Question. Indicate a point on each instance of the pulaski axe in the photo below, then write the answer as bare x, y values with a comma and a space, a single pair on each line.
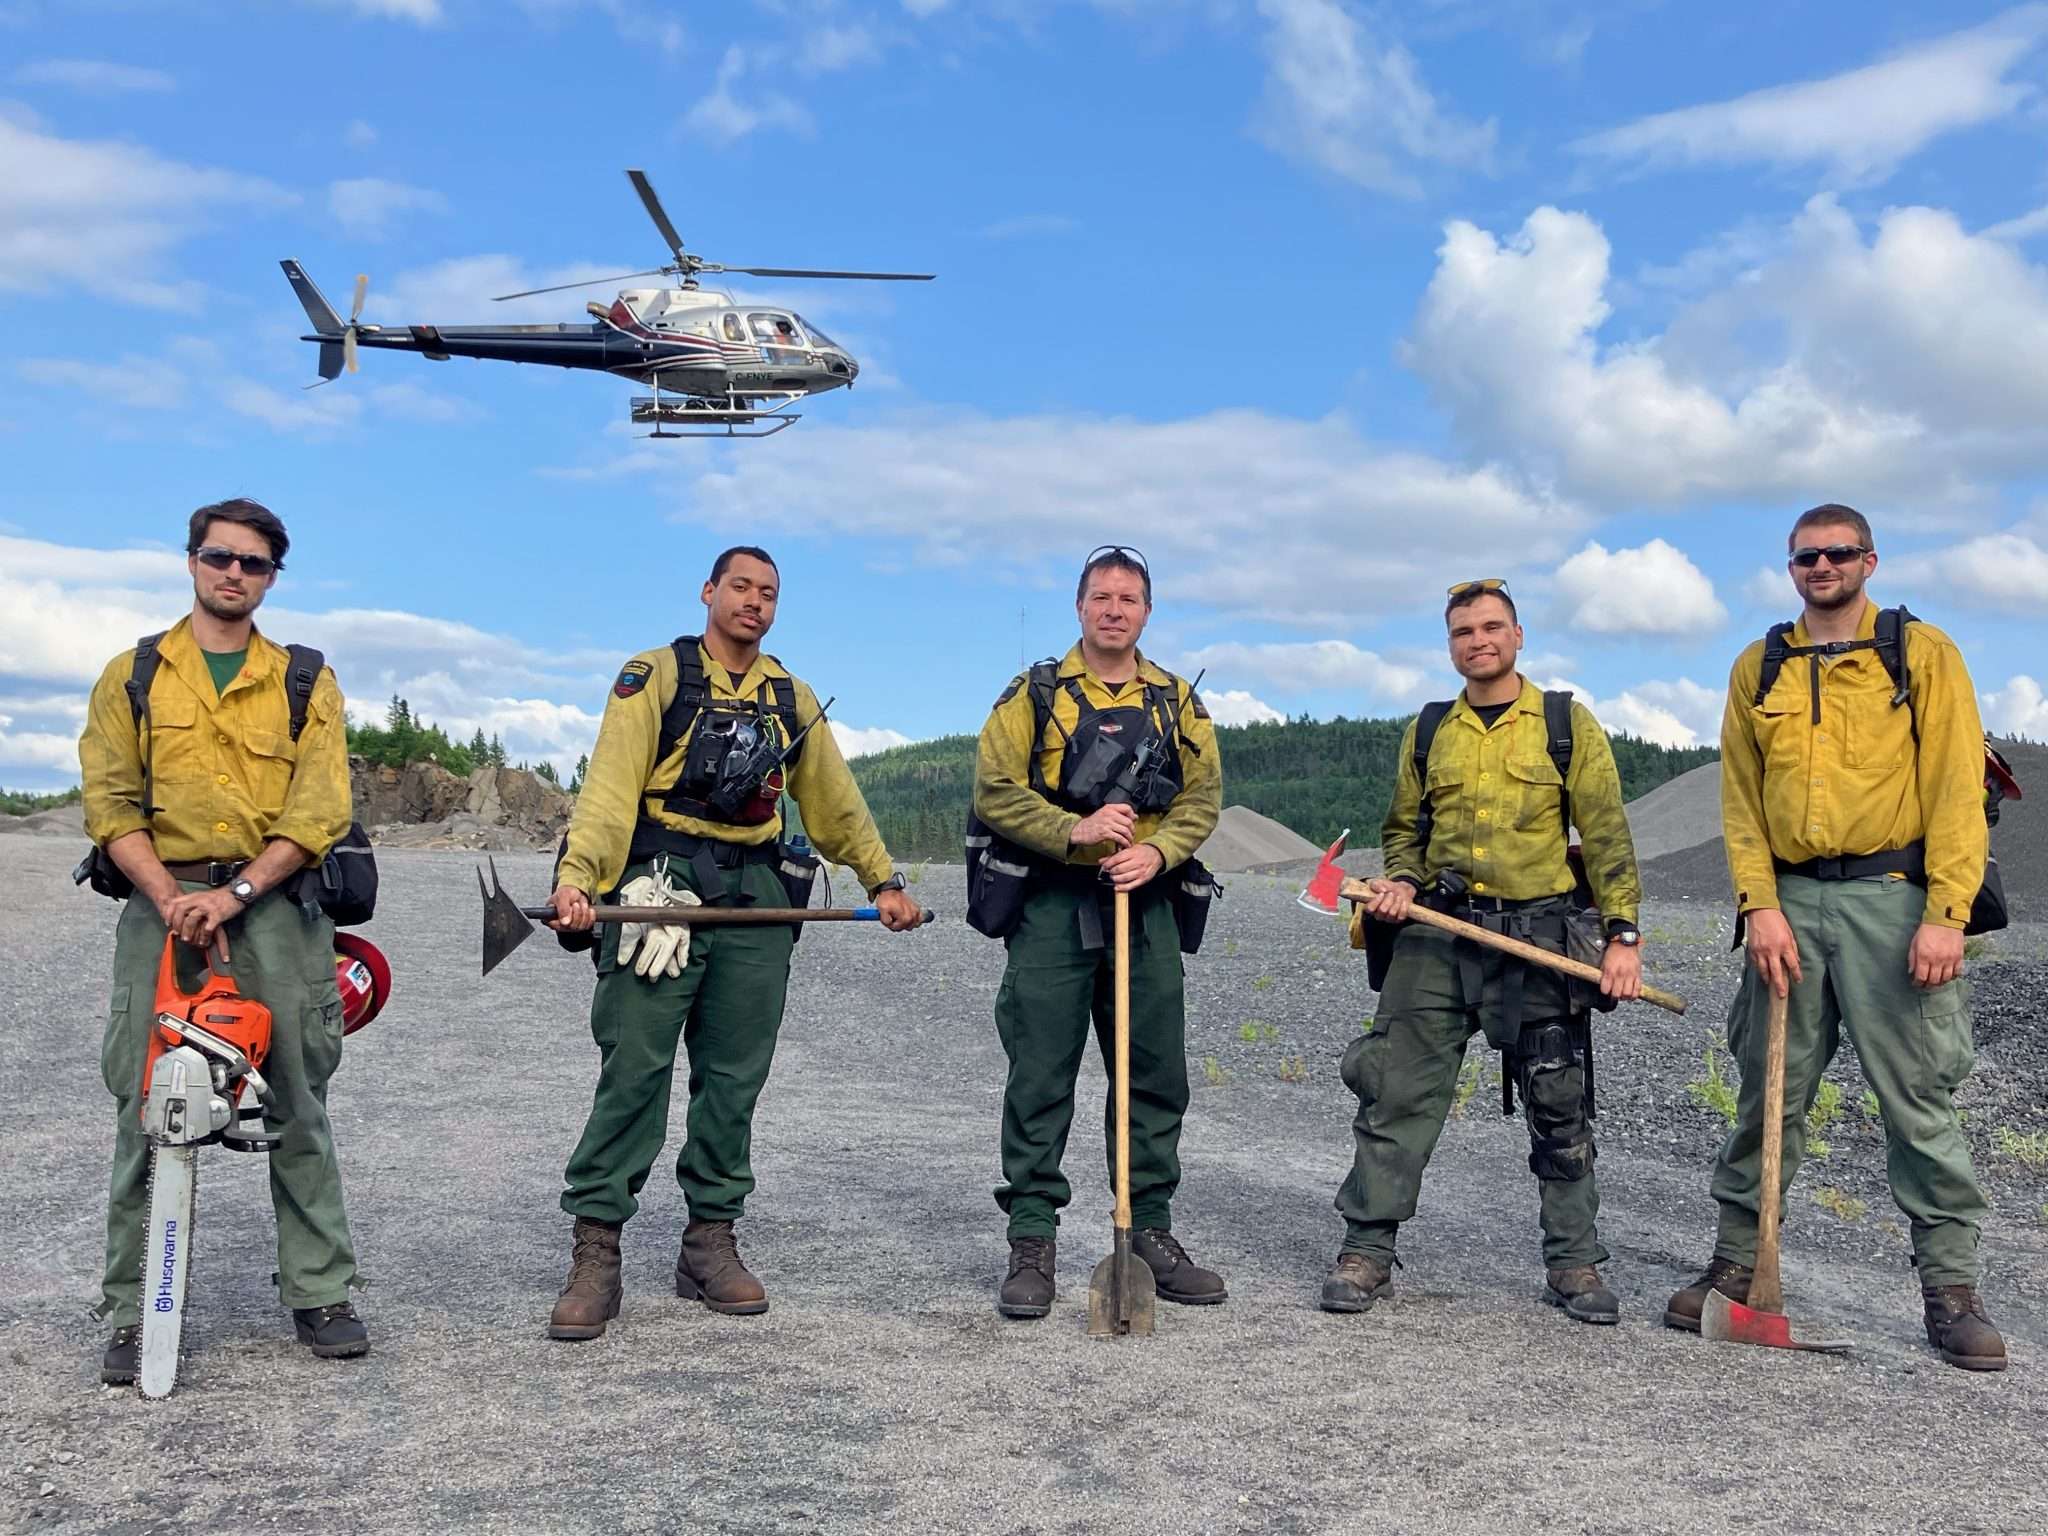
507, 925
1122, 1295
1762, 1319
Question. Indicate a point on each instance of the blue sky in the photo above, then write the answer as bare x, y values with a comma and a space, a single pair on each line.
1322, 304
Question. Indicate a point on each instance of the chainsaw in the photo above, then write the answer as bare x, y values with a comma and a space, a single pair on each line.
205, 1051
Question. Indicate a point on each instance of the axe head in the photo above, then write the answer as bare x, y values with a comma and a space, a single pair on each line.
505, 926
1730, 1322
1325, 883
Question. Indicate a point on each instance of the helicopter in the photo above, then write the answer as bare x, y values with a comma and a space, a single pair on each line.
718, 368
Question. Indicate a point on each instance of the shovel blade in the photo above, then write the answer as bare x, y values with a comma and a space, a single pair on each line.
1726, 1321
1122, 1297
505, 926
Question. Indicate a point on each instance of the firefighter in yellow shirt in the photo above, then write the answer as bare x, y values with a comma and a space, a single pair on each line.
681, 804
1852, 803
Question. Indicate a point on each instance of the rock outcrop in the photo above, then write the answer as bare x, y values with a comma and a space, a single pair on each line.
423, 805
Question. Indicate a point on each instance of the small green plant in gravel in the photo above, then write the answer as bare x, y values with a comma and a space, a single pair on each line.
1230, 946
1262, 984
2031, 1149
1213, 1073
1872, 1110
1248, 1031
1365, 1025
1293, 1069
916, 871
1714, 1091
1847, 1207
1466, 1086
1823, 1112
1973, 947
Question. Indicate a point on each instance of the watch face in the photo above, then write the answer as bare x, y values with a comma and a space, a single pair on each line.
242, 891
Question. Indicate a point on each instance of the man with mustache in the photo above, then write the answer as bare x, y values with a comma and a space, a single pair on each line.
1490, 805
681, 805
1852, 805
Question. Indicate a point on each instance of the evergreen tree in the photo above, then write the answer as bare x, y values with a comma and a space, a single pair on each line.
582, 767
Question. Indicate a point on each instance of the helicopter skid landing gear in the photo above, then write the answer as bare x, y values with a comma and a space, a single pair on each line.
709, 416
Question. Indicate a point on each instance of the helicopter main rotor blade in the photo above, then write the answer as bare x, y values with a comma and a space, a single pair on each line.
588, 282
355, 310
656, 212
875, 277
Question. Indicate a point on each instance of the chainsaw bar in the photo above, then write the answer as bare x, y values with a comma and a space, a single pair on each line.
166, 1264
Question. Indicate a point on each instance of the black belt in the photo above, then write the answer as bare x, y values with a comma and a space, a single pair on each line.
1506, 903
1910, 861
706, 856
211, 871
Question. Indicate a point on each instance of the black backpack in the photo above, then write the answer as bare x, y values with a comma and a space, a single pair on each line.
343, 884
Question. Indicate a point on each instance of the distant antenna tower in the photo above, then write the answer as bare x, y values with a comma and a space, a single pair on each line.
1023, 647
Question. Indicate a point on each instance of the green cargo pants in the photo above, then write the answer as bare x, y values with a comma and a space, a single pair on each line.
287, 964
726, 1009
1405, 1074
1914, 1047
1051, 988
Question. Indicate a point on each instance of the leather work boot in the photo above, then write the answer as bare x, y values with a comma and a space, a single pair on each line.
1959, 1328
123, 1358
590, 1297
1582, 1293
1724, 1275
1355, 1283
709, 1270
1178, 1277
1027, 1289
332, 1333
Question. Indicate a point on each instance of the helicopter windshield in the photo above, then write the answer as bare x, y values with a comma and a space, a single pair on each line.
818, 337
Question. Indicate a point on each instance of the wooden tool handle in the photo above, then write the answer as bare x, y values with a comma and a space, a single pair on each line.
713, 917
1671, 1002
1767, 1286
1122, 1065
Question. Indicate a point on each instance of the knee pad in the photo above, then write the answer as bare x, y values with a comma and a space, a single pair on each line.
1562, 1160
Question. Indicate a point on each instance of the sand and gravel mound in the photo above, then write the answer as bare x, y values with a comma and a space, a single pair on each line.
1244, 839
1681, 813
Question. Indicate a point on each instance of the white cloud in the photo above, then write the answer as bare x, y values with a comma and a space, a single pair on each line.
1651, 590
315, 411
1901, 369
108, 212
39, 751
1859, 124
925, 7
1236, 706
1339, 98
358, 134
368, 205
1308, 667
860, 740
1675, 713
724, 118
132, 382
425, 12
2002, 570
460, 291
1770, 587
2017, 709
832, 48
96, 77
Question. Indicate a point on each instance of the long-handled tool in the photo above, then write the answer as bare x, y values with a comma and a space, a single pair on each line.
507, 925
1122, 1295
1762, 1319
1358, 890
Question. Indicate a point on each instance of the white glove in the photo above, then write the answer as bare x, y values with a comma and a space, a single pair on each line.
664, 948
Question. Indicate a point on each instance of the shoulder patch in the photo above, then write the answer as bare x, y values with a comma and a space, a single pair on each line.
1201, 709
632, 678
1010, 692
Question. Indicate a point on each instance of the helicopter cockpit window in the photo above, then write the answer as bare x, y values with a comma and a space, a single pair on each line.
776, 330
734, 331
818, 337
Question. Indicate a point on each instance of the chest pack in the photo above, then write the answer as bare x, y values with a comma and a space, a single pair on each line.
1988, 912
344, 883
738, 750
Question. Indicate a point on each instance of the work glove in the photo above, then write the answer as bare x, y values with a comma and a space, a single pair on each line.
663, 948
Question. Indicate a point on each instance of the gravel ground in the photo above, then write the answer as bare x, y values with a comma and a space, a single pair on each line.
882, 1389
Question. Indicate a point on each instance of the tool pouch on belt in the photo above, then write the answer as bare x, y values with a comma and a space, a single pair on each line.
1585, 940
998, 875
1194, 888
344, 884
1988, 912
797, 868
98, 870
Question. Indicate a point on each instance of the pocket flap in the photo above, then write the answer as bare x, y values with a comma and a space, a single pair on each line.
1535, 770
270, 744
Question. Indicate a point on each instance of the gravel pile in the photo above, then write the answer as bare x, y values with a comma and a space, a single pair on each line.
1244, 839
881, 1390
1678, 813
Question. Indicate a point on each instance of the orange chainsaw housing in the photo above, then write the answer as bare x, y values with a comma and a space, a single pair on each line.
218, 1007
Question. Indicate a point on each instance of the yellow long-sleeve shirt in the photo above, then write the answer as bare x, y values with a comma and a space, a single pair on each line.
227, 775
1004, 798
624, 779
1496, 819
1855, 782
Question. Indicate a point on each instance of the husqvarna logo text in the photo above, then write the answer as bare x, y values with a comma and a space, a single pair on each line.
166, 1298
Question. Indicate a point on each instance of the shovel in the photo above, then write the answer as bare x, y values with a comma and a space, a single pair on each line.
1122, 1295
1762, 1320
507, 925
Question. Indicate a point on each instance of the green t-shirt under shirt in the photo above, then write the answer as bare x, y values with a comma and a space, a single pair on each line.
224, 665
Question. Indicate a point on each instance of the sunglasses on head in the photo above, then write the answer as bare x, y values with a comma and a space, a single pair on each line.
1838, 554
1136, 556
1483, 584
214, 558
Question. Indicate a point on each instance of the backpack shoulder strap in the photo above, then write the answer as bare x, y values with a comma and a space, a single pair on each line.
1891, 650
1557, 730
1039, 683
1777, 646
142, 673
688, 699
782, 696
301, 671
1426, 724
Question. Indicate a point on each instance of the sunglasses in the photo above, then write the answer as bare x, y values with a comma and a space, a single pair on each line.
1838, 554
214, 558
1125, 550
1484, 584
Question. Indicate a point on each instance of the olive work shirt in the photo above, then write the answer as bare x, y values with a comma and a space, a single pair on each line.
1497, 821
1856, 782
1004, 798
227, 776
624, 781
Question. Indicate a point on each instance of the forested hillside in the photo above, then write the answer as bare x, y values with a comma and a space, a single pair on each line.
1316, 776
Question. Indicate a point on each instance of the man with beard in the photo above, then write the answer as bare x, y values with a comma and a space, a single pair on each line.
1852, 805
682, 805
202, 794
1487, 800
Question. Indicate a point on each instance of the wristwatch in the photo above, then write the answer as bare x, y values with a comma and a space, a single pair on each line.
242, 891
895, 882
1624, 933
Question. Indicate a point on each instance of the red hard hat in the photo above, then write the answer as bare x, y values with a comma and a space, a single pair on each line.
364, 978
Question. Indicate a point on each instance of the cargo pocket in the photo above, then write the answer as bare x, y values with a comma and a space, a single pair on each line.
1944, 1034
1364, 1065
321, 1046
120, 1067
